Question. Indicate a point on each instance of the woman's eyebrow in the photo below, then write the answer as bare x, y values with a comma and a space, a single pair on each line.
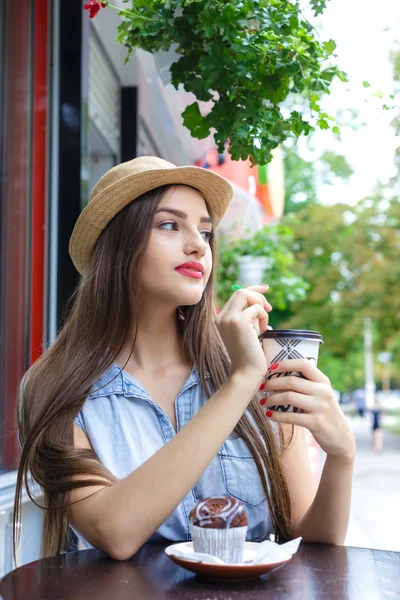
180, 214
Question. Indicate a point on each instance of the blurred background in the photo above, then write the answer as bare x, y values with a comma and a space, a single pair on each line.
319, 223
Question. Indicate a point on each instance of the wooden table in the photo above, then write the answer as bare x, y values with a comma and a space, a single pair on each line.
316, 571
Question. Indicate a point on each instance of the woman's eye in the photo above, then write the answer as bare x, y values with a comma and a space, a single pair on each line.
172, 226
208, 235
169, 226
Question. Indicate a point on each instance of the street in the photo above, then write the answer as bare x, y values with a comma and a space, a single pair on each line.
375, 514
375, 519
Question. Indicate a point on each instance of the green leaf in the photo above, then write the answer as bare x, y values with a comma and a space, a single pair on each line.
318, 6
323, 124
196, 86
366, 84
330, 46
342, 76
195, 122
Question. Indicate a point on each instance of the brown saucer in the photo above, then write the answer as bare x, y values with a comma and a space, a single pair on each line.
240, 572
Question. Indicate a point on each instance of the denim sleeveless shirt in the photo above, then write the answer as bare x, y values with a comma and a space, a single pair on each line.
126, 427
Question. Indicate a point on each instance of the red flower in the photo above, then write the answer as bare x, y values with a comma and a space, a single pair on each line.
93, 7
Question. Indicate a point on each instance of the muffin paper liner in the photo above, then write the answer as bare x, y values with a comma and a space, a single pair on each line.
227, 544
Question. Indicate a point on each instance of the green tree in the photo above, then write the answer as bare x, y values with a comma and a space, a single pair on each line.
395, 60
300, 189
303, 177
350, 259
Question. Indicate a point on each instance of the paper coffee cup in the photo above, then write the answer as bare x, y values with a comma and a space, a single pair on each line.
284, 344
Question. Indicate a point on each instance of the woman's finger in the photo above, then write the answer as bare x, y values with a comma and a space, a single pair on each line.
255, 297
257, 312
303, 366
246, 296
291, 418
291, 382
306, 403
267, 306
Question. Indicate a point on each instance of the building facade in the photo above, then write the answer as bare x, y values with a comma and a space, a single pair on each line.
69, 110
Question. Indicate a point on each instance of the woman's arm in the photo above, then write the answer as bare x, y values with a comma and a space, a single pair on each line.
119, 519
320, 515
327, 519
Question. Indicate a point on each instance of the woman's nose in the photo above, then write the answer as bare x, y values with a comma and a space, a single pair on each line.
195, 243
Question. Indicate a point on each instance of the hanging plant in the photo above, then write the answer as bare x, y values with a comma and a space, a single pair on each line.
250, 58
273, 243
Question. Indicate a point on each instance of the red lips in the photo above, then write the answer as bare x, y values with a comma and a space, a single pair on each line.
192, 265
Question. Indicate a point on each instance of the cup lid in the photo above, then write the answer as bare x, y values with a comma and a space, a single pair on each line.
292, 334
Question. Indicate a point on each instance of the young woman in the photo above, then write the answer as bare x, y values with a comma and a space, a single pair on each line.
147, 401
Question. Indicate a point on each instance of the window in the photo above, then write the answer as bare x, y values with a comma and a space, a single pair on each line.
15, 189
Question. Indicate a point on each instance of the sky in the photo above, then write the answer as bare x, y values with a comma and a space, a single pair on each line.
364, 32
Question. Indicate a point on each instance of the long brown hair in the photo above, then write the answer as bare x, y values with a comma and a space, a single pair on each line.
102, 313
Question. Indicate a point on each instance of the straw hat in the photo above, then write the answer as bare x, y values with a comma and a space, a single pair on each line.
124, 183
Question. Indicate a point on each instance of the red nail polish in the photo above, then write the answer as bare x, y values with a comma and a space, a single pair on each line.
269, 413
262, 386
263, 400
274, 366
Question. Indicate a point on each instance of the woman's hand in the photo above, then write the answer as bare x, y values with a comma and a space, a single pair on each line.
240, 327
314, 395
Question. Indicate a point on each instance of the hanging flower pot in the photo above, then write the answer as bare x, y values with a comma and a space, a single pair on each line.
164, 59
251, 269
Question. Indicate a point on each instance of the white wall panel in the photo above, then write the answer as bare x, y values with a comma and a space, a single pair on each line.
104, 95
31, 533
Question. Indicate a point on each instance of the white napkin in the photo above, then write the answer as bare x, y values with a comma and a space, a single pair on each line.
270, 552
267, 553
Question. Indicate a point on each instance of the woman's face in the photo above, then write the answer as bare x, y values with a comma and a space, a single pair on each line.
180, 235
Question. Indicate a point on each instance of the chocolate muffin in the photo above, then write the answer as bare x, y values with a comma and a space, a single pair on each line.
219, 526
219, 512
